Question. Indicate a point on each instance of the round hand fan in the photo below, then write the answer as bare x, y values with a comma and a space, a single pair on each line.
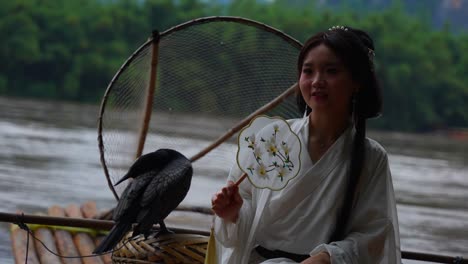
192, 88
269, 152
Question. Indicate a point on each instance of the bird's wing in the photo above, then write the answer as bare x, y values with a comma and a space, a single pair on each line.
141, 164
171, 183
163, 194
130, 196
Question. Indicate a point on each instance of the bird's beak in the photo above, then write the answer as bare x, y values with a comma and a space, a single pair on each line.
121, 180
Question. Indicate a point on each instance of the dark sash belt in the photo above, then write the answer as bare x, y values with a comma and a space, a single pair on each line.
270, 254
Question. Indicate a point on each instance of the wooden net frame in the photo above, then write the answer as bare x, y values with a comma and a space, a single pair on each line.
145, 117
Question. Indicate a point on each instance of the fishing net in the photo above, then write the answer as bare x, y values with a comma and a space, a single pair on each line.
205, 80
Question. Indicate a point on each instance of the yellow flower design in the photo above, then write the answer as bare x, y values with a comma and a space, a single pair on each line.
286, 149
271, 147
262, 172
271, 154
281, 172
258, 153
252, 141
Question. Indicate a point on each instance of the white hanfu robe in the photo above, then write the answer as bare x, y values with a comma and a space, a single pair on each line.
301, 217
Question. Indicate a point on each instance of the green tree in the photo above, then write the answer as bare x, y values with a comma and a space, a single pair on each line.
69, 50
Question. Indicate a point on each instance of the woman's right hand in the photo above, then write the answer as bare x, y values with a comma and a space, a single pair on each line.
227, 202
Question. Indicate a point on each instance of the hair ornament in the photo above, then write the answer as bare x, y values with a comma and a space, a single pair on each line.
371, 55
370, 52
338, 28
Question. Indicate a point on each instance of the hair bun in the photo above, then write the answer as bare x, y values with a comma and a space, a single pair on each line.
364, 37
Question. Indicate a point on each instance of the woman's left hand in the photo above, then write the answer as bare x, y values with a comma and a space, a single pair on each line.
320, 258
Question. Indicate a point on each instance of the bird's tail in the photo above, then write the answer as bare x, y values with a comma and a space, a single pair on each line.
115, 235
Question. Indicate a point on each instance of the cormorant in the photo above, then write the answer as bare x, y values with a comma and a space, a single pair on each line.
161, 180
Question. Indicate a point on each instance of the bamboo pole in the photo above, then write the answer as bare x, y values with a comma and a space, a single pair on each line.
56, 221
83, 241
149, 94
74, 222
241, 179
245, 121
89, 210
63, 238
19, 240
45, 236
432, 257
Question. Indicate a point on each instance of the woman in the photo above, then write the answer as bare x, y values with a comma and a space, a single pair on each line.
341, 207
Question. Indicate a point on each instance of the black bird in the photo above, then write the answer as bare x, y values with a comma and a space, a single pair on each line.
161, 180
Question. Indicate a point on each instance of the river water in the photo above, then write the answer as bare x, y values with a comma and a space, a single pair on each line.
49, 155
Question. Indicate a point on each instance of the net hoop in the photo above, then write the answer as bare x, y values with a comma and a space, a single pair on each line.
156, 39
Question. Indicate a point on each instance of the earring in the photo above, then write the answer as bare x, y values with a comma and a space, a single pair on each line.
353, 107
305, 111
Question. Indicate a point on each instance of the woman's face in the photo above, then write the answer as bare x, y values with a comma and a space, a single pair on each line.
326, 84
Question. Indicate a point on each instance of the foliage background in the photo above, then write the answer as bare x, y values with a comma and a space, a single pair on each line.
69, 50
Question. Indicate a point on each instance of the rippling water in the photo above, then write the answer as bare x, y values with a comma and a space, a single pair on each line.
49, 155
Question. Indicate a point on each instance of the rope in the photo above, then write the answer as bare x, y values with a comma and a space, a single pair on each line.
20, 223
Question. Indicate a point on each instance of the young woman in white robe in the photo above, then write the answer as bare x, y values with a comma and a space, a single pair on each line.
341, 207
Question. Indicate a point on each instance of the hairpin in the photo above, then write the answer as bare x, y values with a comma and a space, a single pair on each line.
338, 27
371, 55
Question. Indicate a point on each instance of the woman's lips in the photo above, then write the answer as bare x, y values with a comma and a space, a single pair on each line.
319, 96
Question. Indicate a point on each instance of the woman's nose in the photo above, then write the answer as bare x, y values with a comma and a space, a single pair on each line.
318, 81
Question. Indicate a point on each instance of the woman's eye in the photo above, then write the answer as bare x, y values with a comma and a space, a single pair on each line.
307, 71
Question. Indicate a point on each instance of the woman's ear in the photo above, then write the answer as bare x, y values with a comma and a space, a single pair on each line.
357, 88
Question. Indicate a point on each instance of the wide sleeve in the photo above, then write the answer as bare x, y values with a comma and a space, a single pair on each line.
373, 235
228, 233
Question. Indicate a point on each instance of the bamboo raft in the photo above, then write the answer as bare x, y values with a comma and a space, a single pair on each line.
82, 229
61, 241
75, 231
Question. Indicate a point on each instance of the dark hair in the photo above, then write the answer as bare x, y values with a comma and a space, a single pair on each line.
356, 49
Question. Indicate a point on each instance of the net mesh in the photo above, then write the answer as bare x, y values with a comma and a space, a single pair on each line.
209, 76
